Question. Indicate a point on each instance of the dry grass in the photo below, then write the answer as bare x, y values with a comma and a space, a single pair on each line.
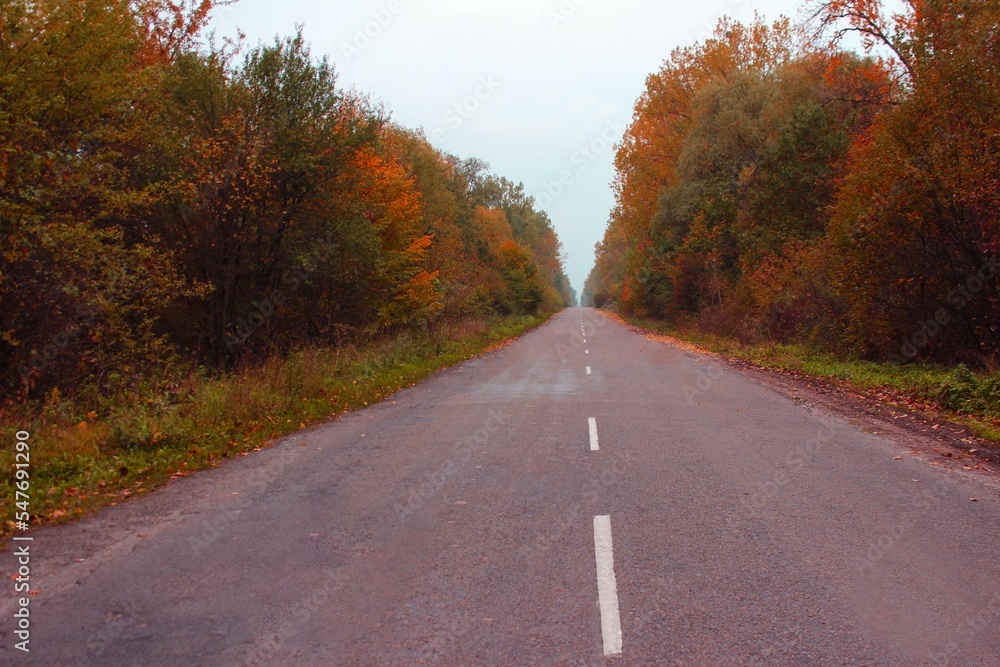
136, 442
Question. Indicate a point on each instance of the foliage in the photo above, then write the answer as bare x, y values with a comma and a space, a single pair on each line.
168, 204
137, 440
773, 187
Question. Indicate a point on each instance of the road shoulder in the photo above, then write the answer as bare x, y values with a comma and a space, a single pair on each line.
920, 433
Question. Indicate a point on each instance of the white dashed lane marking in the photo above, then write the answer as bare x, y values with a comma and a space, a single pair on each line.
607, 587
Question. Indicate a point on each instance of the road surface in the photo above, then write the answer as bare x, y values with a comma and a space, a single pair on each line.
584, 496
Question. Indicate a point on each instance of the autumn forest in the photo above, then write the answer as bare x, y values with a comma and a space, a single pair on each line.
775, 185
168, 201
209, 244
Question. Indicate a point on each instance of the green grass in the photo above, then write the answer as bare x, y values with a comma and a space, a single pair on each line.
962, 395
80, 462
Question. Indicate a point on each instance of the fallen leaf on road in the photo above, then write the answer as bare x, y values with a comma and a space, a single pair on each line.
897, 458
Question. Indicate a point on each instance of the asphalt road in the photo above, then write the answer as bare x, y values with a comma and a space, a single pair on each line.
557, 502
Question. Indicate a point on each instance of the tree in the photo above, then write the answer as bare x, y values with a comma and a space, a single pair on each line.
917, 218
80, 296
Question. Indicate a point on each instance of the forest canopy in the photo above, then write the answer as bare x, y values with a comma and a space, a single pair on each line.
167, 200
774, 186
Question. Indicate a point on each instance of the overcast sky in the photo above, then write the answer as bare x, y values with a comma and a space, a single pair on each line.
540, 89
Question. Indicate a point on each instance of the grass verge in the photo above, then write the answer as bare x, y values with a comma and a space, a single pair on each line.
79, 463
957, 393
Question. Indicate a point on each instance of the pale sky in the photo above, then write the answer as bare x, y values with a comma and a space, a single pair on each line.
537, 88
